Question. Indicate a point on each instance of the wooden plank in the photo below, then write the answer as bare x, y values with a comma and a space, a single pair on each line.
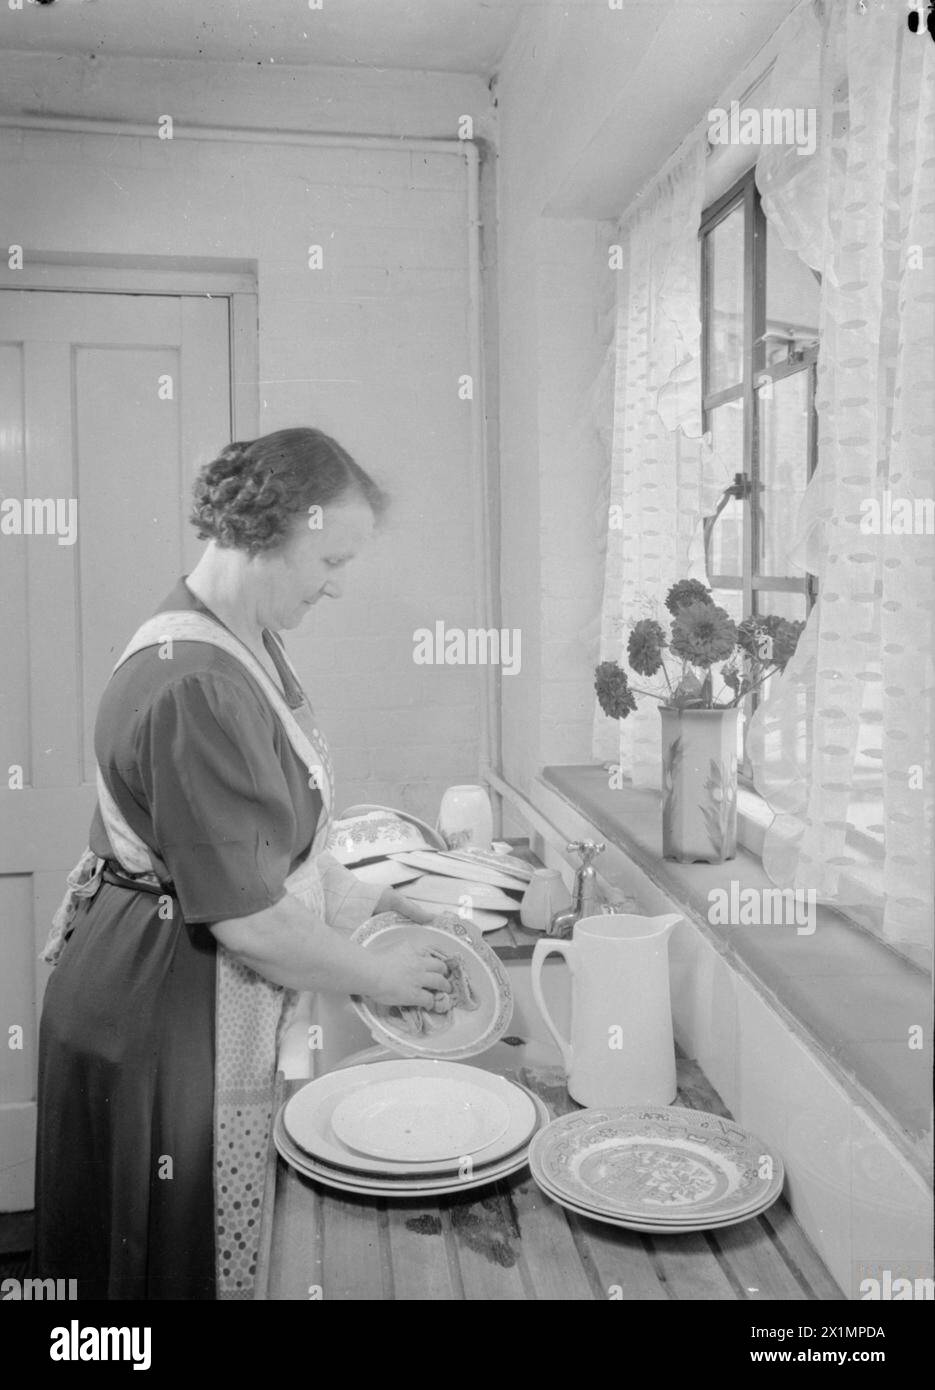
696, 1091
688, 1268
550, 1253
622, 1265
354, 1263
486, 1243
756, 1263
798, 1251
296, 1263
419, 1236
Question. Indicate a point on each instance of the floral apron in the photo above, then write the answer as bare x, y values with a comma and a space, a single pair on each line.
250, 1013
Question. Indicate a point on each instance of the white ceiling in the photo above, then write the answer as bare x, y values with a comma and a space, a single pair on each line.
467, 36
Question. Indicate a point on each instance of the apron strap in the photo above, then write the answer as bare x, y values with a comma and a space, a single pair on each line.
187, 626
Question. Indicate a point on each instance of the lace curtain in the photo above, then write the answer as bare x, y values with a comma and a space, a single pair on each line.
844, 743
654, 490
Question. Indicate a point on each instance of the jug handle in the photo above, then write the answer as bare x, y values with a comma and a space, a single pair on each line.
541, 951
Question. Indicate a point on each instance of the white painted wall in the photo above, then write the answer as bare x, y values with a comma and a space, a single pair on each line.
370, 348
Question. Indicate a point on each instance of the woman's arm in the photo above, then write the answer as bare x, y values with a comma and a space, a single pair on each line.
286, 944
391, 901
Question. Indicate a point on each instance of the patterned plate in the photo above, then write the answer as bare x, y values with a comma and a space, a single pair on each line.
658, 1228
470, 1031
659, 1166
429, 836
368, 836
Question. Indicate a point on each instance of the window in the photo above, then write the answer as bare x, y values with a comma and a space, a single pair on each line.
759, 353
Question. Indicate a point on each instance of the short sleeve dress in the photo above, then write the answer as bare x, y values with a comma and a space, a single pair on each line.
202, 771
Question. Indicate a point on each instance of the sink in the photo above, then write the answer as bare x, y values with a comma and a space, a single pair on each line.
326, 1029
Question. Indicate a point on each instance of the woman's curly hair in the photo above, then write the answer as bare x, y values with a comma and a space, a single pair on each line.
251, 496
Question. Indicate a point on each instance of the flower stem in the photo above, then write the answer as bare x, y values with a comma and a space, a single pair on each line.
742, 694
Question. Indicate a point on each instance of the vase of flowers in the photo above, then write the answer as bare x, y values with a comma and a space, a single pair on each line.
699, 726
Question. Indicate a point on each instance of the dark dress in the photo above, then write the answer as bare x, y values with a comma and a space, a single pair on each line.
200, 768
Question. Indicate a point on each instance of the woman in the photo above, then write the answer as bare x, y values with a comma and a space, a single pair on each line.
206, 896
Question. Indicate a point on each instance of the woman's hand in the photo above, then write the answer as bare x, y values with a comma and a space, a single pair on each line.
410, 974
391, 901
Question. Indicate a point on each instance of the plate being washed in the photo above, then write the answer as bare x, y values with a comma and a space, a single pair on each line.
470, 1031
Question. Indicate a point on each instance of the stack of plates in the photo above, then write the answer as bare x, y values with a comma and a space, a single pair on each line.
408, 1128
478, 890
662, 1171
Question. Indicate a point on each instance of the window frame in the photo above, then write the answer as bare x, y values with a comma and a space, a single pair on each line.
744, 195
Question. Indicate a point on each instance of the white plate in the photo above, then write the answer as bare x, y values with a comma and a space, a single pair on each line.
385, 873
458, 893
471, 1031
432, 862
486, 921
483, 921
431, 836
502, 863
307, 1116
414, 1119
470, 1176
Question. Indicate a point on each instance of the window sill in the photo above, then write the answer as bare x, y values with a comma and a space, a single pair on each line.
846, 991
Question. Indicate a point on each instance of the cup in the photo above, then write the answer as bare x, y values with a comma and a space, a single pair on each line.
465, 818
545, 896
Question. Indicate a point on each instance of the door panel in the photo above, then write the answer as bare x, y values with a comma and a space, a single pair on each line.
115, 401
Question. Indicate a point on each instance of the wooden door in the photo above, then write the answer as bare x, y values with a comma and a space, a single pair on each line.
109, 403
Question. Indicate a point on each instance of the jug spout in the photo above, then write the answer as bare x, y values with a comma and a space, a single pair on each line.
666, 922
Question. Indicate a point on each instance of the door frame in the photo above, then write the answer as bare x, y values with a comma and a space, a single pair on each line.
152, 276
158, 275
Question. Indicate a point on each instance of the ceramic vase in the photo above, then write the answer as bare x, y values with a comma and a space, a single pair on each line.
699, 784
465, 818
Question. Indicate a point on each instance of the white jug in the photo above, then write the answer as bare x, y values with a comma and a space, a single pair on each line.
621, 1050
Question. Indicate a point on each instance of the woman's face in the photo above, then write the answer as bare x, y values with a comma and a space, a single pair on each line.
310, 565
